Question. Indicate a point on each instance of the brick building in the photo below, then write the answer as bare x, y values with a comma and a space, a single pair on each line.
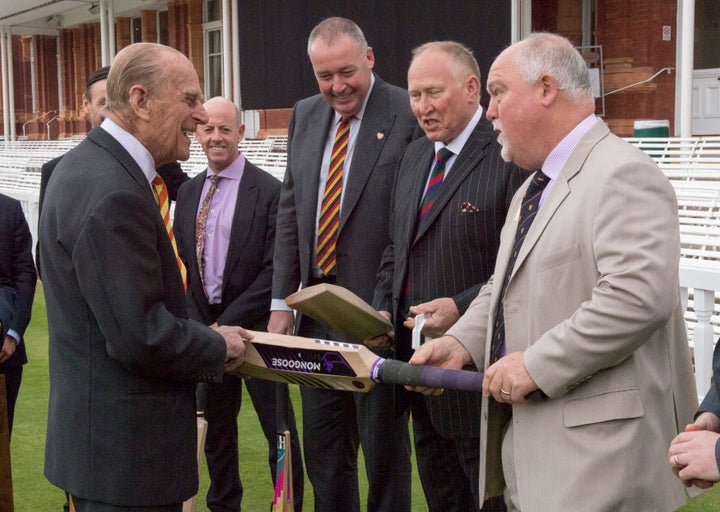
56, 45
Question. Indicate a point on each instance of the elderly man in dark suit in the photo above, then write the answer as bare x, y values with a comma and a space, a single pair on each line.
445, 229
124, 357
17, 290
343, 149
233, 247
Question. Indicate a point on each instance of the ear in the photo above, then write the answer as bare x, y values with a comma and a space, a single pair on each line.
85, 105
472, 87
241, 131
139, 102
549, 89
370, 56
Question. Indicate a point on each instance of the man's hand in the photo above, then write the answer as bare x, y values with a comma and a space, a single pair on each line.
8, 348
692, 458
508, 380
281, 322
235, 346
705, 421
440, 315
445, 352
383, 341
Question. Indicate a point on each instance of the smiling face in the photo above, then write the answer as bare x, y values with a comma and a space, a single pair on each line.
222, 133
442, 102
343, 72
174, 112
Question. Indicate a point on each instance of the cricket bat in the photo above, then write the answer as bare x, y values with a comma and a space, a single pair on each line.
341, 309
283, 498
337, 365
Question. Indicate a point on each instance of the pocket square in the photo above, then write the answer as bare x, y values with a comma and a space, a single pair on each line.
468, 207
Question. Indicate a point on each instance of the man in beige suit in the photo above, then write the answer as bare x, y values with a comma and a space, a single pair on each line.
593, 378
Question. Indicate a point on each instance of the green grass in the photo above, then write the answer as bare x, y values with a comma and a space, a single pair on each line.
33, 493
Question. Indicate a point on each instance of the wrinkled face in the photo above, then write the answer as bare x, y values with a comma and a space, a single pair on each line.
222, 133
175, 111
93, 106
442, 104
513, 110
343, 73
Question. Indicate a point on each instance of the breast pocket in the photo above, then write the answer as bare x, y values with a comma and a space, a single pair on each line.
559, 258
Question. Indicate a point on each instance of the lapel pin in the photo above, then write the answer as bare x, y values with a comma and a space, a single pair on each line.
380, 135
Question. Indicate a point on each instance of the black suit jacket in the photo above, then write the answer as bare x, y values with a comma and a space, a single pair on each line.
247, 277
17, 273
454, 252
386, 129
171, 173
124, 358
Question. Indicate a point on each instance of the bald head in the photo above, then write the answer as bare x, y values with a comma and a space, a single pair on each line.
222, 133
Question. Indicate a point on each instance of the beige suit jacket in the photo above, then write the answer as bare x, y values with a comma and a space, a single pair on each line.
594, 304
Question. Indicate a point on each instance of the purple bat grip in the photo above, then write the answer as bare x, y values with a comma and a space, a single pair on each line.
389, 371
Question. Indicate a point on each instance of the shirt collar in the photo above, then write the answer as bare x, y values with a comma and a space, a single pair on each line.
233, 171
132, 145
559, 156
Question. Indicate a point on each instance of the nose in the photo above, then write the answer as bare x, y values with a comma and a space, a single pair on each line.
338, 84
422, 105
200, 115
492, 110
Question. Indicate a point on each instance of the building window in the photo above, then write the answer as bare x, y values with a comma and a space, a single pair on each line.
162, 28
212, 10
213, 60
136, 30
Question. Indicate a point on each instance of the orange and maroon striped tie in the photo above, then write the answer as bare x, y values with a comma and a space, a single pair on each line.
330, 208
163, 200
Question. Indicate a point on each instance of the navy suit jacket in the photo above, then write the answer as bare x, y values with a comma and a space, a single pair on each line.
124, 358
17, 275
247, 277
387, 127
453, 253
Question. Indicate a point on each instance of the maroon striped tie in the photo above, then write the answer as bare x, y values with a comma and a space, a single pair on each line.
436, 179
330, 208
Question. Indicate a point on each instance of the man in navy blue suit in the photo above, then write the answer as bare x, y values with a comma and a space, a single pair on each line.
17, 290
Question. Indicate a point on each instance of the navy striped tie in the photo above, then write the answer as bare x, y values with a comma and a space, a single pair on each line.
528, 210
436, 179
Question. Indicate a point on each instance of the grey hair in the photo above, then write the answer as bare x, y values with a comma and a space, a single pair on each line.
138, 64
541, 53
329, 28
462, 62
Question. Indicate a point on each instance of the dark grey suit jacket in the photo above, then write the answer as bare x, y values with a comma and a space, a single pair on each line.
387, 127
124, 359
247, 277
454, 252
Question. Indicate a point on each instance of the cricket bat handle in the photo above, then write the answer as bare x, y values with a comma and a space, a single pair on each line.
390, 371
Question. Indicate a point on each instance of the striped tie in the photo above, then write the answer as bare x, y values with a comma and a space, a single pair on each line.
528, 210
330, 208
163, 200
436, 179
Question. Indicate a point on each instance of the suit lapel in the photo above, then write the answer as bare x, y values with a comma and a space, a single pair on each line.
472, 152
374, 132
560, 190
242, 218
103, 139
